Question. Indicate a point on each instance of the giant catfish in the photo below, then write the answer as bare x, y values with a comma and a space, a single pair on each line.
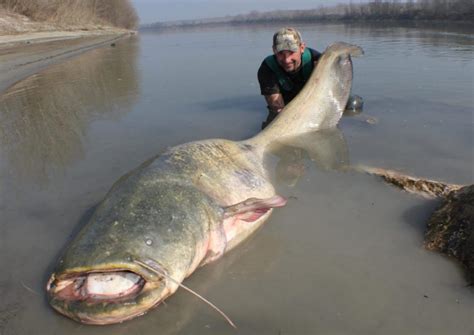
186, 208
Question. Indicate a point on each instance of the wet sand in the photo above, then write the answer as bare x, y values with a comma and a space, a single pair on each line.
23, 55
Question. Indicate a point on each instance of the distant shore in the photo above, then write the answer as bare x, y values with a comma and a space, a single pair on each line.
286, 22
452, 11
292, 22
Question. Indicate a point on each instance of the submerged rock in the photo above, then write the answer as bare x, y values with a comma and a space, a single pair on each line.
450, 230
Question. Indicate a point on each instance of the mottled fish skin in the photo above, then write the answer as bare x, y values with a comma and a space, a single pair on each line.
188, 206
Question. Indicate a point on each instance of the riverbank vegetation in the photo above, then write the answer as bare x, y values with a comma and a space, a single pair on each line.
116, 13
374, 10
454, 10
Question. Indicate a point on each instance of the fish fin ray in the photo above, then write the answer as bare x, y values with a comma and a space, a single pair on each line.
254, 205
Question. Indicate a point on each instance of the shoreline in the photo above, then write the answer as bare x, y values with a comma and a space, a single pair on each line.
24, 54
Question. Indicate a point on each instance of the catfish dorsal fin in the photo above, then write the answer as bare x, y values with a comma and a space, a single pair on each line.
322, 100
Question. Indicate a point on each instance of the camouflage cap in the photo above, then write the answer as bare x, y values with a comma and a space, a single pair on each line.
286, 39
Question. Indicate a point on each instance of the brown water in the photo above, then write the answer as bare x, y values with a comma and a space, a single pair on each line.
343, 257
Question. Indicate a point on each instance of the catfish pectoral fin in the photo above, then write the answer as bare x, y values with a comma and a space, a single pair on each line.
253, 205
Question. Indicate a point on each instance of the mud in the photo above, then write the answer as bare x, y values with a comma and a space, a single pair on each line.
22, 55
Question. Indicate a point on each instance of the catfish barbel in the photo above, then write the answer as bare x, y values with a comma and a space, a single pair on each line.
186, 208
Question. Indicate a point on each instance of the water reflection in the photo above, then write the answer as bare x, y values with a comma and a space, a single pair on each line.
327, 149
43, 119
454, 37
437, 40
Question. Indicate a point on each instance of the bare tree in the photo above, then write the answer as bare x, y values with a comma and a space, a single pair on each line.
118, 13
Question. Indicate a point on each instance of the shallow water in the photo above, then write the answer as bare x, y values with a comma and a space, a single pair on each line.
343, 257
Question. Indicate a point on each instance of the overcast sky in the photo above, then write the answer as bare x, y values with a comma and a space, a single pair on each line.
167, 10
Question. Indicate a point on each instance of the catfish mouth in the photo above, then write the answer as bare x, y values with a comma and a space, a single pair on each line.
98, 287
104, 297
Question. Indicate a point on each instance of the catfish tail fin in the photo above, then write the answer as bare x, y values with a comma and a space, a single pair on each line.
322, 100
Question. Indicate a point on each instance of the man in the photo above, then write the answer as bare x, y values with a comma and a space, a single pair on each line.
283, 74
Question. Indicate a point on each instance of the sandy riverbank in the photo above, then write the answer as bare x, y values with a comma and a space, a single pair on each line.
25, 54
26, 47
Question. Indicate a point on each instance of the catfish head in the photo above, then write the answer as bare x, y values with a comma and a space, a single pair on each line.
140, 243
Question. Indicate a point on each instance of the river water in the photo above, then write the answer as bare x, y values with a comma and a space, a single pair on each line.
344, 256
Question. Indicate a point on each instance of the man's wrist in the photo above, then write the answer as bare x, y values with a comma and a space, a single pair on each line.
275, 109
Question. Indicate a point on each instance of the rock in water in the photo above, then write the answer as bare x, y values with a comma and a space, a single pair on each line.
450, 229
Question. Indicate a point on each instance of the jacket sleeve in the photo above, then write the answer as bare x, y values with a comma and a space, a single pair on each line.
268, 80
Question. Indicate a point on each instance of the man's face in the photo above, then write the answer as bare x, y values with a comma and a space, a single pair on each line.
290, 61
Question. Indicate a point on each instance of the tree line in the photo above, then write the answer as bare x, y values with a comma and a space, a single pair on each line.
452, 10
455, 10
118, 13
